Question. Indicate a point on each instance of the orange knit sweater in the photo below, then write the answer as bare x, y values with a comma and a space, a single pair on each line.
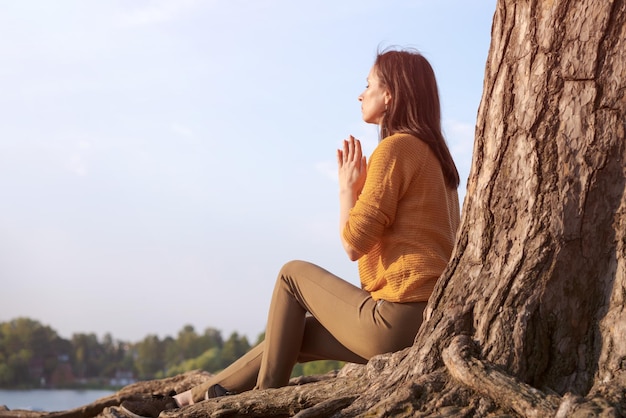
404, 221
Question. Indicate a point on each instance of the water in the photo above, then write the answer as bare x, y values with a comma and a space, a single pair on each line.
49, 400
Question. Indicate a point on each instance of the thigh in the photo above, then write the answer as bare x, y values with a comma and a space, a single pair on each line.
319, 344
348, 314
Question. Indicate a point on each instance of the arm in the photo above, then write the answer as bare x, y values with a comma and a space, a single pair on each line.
352, 172
390, 170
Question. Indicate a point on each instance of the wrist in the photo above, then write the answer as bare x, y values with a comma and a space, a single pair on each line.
348, 196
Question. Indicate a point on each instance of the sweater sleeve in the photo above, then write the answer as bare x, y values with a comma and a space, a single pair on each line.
392, 165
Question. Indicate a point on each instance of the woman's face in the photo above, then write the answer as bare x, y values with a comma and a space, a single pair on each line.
374, 99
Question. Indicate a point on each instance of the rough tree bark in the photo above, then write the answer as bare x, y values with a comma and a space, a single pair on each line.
529, 318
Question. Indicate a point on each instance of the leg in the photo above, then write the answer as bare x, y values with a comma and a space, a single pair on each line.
348, 324
286, 325
240, 376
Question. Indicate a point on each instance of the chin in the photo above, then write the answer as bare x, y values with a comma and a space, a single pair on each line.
368, 119
375, 120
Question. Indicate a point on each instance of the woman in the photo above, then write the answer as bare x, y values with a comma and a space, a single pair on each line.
398, 217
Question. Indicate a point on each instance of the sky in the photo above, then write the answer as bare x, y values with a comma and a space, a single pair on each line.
161, 160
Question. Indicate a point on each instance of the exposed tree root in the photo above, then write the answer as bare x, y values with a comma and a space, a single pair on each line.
527, 401
490, 381
315, 399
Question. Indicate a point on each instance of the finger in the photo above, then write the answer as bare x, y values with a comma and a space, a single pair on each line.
346, 150
358, 153
339, 158
351, 148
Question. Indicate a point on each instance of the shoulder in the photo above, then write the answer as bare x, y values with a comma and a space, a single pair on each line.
403, 142
405, 146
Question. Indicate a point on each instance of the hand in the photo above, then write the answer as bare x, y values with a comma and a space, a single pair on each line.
352, 167
352, 173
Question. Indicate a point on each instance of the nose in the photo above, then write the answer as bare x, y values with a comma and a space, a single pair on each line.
360, 98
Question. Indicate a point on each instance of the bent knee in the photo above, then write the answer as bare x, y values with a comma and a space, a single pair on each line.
290, 267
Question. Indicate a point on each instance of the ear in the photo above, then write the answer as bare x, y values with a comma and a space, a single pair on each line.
387, 97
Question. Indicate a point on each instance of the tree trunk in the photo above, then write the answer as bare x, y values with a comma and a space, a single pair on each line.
529, 318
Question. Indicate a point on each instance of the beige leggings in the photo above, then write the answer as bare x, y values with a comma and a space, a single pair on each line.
315, 315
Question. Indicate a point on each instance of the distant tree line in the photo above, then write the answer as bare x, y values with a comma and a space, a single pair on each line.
34, 355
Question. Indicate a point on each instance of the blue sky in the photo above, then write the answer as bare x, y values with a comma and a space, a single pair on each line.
161, 160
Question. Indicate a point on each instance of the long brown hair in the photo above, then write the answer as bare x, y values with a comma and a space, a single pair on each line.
414, 107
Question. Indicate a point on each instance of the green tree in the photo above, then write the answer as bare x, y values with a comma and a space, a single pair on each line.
209, 361
188, 342
150, 357
321, 367
18, 362
28, 352
192, 345
88, 359
171, 352
212, 338
6, 373
234, 348
316, 367
115, 356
